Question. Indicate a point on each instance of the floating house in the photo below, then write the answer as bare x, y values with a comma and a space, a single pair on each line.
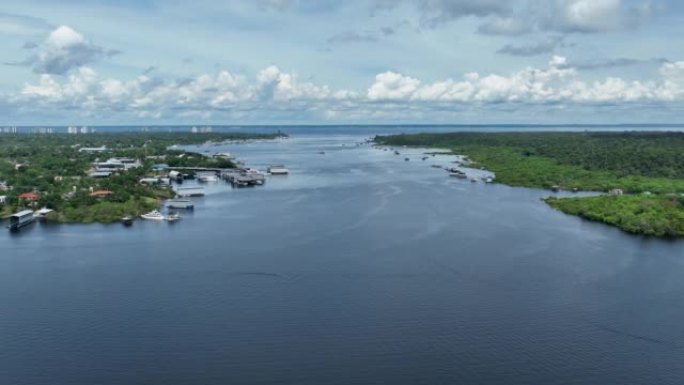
21, 219
190, 192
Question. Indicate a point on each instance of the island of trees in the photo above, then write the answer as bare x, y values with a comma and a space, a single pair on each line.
55, 171
642, 173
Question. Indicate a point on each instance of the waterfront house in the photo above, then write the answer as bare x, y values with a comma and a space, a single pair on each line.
93, 149
3, 186
29, 197
100, 174
113, 164
149, 181
615, 192
3, 200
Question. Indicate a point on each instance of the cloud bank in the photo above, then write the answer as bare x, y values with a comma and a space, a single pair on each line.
229, 94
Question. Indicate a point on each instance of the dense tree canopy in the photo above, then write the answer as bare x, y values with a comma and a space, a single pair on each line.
649, 165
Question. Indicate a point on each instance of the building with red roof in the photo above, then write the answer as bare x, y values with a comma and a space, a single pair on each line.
29, 196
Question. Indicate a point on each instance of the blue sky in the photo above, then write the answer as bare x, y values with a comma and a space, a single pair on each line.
330, 62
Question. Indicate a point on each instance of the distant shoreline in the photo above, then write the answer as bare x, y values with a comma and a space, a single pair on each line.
640, 172
100, 177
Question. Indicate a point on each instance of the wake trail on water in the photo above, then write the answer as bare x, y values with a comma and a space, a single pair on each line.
633, 336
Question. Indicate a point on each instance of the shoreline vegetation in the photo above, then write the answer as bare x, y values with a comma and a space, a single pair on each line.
54, 171
642, 173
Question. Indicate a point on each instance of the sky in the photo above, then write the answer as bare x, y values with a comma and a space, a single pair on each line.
341, 62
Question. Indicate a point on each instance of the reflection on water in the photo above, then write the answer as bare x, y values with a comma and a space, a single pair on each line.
358, 267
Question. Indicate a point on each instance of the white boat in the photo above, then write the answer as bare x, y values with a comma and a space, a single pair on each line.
173, 217
153, 215
42, 213
206, 177
278, 170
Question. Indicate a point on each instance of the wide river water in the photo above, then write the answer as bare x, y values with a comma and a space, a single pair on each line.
357, 268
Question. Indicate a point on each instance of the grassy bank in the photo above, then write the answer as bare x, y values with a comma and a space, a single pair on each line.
634, 162
103, 212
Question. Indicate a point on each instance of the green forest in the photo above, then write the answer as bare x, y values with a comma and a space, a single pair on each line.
647, 166
52, 166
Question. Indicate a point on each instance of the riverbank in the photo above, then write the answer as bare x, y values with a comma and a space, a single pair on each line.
101, 177
643, 171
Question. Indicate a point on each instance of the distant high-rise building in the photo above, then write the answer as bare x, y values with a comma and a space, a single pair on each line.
72, 130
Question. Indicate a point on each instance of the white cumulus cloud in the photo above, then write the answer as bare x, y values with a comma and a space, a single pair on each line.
274, 91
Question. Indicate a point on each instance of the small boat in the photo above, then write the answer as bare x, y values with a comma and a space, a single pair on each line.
207, 177
185, 204
396, 152
278, 170
173, 217
253, 171
488, 180
473, 180
458, 175
407, 159
153, 215
127, 220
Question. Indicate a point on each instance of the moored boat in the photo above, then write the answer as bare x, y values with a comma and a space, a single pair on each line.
173, 217
153, 215
190, 191
278, 170
206, 177
21, 219
127, 220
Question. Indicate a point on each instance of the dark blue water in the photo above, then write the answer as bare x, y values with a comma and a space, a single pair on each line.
358, 268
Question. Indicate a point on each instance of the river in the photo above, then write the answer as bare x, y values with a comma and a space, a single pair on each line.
357, 268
